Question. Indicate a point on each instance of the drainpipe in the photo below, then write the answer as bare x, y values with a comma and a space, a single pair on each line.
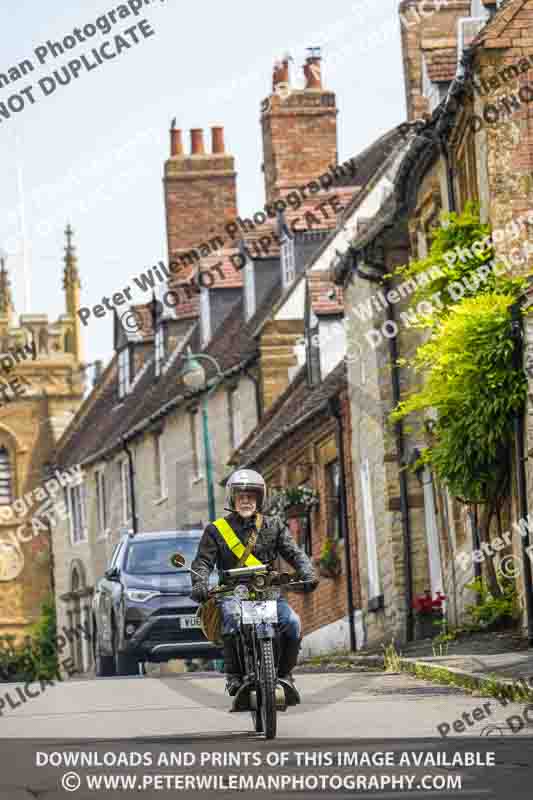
335, 411
404, 500
132, 485
521, 483
452, 205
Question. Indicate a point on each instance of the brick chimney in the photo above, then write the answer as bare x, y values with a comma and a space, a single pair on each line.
200, 199
431, 37
299, 129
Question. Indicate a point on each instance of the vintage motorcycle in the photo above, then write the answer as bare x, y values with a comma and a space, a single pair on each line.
262, 692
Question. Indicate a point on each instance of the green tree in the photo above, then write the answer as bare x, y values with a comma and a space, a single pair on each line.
467, 373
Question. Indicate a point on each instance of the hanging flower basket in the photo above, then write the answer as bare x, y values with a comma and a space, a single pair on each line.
294, 502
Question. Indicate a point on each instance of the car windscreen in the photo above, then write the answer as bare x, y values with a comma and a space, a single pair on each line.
152, 557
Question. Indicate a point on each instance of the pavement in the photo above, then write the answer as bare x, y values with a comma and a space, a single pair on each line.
505, 658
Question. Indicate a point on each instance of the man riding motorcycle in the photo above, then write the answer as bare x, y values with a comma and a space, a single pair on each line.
222, 545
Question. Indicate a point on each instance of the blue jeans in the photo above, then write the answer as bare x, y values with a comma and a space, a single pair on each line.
288, 620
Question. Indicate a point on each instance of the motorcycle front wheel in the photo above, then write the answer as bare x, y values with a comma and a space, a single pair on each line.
267, 708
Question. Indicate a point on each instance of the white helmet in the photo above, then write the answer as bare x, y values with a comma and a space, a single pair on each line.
245, 480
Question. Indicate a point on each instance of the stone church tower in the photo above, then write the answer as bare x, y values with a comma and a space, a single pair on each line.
41, 387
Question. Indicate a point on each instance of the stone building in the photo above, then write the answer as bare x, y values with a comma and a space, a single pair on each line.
42, 383
459, 148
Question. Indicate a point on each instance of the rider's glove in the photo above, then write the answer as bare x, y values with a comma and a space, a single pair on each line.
200, 593
310, 585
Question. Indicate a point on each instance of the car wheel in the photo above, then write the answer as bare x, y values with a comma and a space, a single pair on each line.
104, 665
124, 664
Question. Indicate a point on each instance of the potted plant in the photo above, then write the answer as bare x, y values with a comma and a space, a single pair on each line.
294, 502
429, 614
329, 562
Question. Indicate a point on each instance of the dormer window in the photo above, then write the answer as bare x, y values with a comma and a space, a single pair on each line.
249, 288
288, 261
205, 316
159, 349
124, 372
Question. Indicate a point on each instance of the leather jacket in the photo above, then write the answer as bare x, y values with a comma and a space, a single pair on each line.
273, 540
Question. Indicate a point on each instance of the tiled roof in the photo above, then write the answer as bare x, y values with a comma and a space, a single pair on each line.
492, 34
293, 408
106, 421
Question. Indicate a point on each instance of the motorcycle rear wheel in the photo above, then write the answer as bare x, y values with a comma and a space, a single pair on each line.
267, 709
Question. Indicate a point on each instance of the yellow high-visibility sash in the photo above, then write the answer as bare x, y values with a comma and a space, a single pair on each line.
234, 543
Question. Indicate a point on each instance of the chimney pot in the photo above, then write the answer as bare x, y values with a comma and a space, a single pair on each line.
217, 139
197, 142
313, 73
176, 143
281, 72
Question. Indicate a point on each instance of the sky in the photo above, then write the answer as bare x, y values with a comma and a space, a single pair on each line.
92, 152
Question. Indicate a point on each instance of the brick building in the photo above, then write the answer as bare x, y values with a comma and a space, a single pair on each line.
459, 148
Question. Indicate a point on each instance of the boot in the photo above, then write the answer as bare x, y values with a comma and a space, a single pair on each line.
231, 666
288, 659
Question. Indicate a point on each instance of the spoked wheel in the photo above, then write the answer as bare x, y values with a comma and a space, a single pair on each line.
267, 708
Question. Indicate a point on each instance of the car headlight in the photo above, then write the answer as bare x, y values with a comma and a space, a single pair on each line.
140, 595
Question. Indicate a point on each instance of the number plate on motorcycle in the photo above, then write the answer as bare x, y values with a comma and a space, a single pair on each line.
259, 611
189, 622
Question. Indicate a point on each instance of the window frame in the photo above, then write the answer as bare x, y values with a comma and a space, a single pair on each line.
124, 372
197, 474
101, 503
159, 347
288, 260
160, 471
235, 418
127, 513
10, 479
249, 289
77, 514
205, 316
333, 501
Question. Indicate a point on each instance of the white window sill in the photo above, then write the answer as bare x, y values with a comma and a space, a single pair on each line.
160, 500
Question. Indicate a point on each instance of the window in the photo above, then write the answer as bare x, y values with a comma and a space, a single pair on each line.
235, 420
101, 502
288, 264
205, 316
77, 516
124, 373
6, 478
374, 583
159, 466
333, 488
159, 349
249, 288
126, 491
195, 448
